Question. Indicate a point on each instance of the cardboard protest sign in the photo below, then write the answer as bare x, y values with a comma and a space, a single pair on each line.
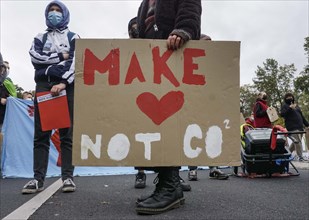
139, 104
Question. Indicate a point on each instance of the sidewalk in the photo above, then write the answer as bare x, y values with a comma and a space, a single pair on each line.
301, 165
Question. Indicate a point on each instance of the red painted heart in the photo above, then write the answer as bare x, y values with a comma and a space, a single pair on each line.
159, 110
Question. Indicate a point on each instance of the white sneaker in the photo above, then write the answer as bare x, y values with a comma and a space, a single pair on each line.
68, 185
302, 159
32, 186
192, 175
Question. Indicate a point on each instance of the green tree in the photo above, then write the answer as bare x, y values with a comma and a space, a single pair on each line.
301, 84
247, 99
275, 80
19, 91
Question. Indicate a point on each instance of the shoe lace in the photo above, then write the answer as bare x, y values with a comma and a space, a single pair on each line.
217, 172
68, 182
192, 172
156, 180
220, 172
140, 179
181, 180
31, 183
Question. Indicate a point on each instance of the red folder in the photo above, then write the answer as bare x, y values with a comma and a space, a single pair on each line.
53, 110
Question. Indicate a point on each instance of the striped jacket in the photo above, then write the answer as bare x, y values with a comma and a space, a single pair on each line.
47, 59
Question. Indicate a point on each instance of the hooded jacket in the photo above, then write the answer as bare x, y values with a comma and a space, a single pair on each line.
261, 119
47, 57
180, 17
294, 119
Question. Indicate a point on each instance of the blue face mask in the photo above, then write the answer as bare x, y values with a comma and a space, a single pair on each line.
54, 17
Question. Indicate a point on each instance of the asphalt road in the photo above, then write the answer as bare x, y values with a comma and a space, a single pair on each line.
113, 197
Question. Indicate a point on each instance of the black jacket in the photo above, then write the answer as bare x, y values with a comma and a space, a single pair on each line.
294, 119
180, 17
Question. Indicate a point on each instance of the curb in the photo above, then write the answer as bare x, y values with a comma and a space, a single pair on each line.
301, 165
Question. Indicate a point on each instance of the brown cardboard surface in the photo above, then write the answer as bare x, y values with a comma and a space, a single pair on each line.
196, 123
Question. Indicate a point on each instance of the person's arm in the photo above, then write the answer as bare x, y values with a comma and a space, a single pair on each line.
3, 95
285, 109
69, 70
188, 19
58, 71
38, 56
67, 77
64, 70
304, 120
72, 46
69, 74
306, 123
187, 23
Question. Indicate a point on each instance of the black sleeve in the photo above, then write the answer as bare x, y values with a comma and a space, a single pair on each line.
285, 110
188, 19
304, 120
55, 70
4, 92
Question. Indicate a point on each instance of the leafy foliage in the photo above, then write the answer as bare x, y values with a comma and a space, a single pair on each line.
301, 83
247, 99
276, 80
19, 91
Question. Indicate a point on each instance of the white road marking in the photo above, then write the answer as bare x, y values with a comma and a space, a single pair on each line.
28, 208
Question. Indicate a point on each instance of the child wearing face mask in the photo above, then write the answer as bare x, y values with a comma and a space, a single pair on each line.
27, 96
52, 55
294, 121
261, 119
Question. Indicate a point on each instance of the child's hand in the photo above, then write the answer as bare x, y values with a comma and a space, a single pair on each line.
56, 89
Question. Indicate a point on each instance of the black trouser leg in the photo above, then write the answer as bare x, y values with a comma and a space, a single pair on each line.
192, 167
66, 135
41, 141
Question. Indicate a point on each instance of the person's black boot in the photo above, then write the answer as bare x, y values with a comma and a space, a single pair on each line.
158, 185
167, 195
185, 186
144, 197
